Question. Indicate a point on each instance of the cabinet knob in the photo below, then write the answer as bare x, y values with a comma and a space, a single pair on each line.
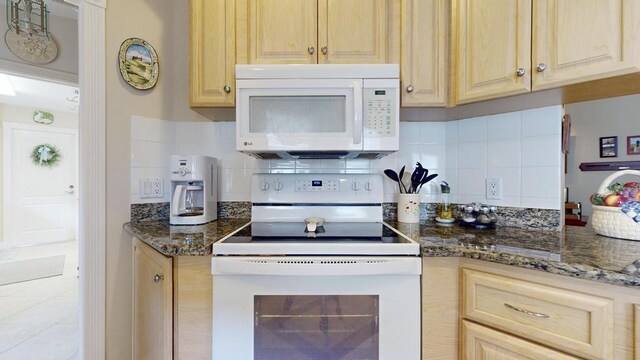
227, 89
311, 50
324, 50
158, 277
410, 88
541, 67
520, 72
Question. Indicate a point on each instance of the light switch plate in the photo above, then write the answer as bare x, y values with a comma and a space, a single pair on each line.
494, 188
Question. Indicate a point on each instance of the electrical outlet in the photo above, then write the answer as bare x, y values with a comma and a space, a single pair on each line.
494, 188
156, 188
151, 188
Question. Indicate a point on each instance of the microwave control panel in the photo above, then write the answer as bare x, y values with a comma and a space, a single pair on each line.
379, 112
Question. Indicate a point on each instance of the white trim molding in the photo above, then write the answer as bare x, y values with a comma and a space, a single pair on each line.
92, 171
38, 72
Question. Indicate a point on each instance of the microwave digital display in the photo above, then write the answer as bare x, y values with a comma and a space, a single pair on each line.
316, 182
381, 92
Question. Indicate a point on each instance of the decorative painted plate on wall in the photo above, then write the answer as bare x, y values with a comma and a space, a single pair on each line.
138, 63
32, 48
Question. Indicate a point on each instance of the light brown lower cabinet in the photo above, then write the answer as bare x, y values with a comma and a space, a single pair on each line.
152, 304
172, 303
483, 343
567, 317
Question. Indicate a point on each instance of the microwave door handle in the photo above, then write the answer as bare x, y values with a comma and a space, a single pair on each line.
357, 112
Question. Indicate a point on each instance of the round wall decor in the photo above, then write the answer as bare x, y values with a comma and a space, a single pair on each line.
138, 63
45, 155
32, 48
43, 117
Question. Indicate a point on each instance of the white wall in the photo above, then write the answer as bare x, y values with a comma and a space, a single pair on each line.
24, 115
165, 25
153, 141
521, 148
65, 33
589, 121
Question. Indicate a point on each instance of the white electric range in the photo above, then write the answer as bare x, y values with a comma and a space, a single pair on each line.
345, 286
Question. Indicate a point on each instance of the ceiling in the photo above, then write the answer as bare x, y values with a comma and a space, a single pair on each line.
41, 95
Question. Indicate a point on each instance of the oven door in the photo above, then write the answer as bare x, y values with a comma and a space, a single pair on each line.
311, 308
299, 115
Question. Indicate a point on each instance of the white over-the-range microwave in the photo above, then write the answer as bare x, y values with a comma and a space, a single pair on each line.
317, 111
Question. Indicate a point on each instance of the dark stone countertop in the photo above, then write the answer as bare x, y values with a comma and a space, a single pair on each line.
181, 240
577, 252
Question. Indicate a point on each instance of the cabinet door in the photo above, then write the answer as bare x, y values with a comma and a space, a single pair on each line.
424, 47
152, 304
354, 31
581, 40
212, 51
483, 343
570, 321
281, 31
493, 43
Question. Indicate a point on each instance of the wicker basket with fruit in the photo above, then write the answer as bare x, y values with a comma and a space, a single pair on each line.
609, 203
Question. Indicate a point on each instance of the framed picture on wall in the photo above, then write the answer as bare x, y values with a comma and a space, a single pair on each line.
609, 146
633, 145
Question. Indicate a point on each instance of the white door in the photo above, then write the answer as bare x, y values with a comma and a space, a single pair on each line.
40, 201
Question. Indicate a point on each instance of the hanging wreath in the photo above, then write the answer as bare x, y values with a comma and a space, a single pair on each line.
45, 155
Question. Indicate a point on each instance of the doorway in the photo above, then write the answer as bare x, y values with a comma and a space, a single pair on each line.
39, 316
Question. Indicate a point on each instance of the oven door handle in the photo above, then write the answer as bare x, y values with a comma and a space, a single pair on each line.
316, 266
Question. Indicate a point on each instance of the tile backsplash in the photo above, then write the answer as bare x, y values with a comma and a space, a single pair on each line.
522, 148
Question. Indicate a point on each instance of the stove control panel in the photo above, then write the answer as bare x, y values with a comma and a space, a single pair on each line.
318, 185
316, 188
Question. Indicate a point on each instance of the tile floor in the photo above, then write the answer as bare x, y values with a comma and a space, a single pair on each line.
39, 318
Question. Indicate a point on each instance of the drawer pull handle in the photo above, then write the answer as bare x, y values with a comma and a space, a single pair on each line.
527, 312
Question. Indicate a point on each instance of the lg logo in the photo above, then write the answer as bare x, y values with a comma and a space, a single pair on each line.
247, 143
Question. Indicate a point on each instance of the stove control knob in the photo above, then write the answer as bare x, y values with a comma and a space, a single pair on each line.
277, 185
355, 186
265, 185
368, 186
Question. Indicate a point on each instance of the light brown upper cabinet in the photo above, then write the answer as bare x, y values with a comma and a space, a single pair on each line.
577, 41
317, 31
492, 49
424, 46
509, 47
212, 53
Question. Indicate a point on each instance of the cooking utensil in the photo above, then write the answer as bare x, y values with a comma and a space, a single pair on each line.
417, 175
393, 176
401, 179
426, 180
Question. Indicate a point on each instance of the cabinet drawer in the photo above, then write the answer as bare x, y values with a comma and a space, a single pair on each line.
578, 323
480, 342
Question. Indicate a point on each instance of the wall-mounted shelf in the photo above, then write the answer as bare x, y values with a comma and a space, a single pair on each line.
610, 166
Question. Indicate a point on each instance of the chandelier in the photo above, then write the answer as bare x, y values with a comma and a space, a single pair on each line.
28, 36
28, 16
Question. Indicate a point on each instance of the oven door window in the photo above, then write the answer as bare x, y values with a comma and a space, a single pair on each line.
314, 327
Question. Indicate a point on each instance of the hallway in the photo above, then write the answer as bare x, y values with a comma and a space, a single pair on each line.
39, 318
